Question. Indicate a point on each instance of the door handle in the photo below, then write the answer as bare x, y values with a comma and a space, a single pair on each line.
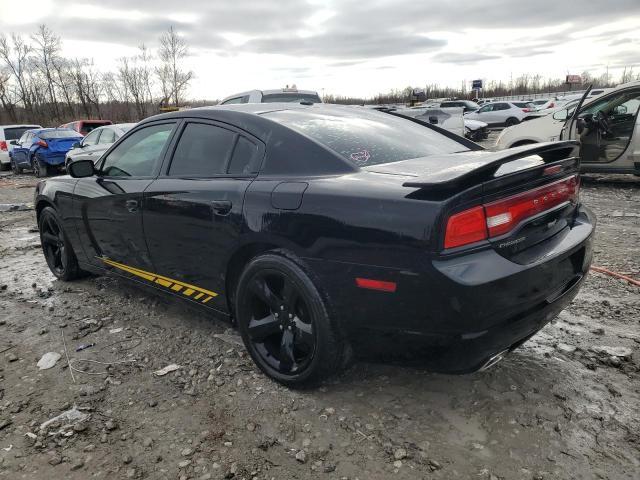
132, 205
221, 207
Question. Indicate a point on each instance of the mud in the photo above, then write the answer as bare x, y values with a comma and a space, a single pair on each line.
560, 407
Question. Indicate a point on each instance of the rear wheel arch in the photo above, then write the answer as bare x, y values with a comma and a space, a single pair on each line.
519, 143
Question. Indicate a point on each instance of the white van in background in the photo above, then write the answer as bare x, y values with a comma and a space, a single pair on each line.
9, 135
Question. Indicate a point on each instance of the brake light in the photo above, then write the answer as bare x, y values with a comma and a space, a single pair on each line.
500, 217
527, 110
3, 145
466, 227
551, 105
42, 143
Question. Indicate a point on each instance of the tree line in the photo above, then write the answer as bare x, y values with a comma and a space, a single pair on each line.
523, 85
40, 85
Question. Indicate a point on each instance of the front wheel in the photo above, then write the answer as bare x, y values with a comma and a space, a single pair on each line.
511, 121
56, 247
17, 169
284, 322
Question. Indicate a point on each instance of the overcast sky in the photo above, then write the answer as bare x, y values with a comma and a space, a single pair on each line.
348, 47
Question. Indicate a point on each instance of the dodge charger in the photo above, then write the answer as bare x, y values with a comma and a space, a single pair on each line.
314, 226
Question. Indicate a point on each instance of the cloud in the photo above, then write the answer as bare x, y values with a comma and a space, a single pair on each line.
462, 58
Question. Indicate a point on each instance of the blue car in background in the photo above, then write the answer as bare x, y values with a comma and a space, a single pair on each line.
43, 150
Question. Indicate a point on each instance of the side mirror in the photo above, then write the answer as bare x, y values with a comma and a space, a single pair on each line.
561, 115
76, 145
433, 120
82, 168
13, 142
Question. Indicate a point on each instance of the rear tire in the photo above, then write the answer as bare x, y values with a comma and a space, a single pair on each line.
40, 167
511, 121
285, 324
56, 247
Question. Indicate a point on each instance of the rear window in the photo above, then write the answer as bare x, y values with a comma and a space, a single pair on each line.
63, 133
15, 133
524, 104
367, 137
291, 98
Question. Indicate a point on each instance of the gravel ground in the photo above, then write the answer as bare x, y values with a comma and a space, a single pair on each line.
566, 405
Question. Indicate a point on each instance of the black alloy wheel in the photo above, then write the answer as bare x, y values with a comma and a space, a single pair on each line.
55, 245
284, 322
511, 121
15, 167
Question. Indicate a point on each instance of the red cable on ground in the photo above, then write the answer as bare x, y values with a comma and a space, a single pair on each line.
617, 275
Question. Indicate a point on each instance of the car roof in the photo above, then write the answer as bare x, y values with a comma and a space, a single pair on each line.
38, 131
269, 92
22, 125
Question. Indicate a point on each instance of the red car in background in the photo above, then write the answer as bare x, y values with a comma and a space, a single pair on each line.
85, 126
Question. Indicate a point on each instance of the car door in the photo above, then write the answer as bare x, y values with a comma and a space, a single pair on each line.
192, 213
108, 205
20, 152
483, 114
606, 127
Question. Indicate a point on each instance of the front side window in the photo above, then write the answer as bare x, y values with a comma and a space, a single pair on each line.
367, 137
231, 101
91, 139
203, 151
485, 109
139, 154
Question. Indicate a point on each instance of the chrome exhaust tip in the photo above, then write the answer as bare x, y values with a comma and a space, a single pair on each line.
493, 360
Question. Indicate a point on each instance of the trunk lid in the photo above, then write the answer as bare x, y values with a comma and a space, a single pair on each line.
526, 195
61, 145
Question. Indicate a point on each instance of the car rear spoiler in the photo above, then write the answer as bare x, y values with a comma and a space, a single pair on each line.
486, 164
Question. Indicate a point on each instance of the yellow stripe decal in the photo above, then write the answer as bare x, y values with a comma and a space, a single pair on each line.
174, 285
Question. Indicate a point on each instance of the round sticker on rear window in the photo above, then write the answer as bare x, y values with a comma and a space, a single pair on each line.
360, 157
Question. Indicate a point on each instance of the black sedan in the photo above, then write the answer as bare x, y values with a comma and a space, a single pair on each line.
315, 226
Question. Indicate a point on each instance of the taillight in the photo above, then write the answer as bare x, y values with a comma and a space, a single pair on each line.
526, 110
3, 145
500, 217
42, 143
551, 105
466, 227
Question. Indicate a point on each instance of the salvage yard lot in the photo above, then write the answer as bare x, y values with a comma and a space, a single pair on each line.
566, 405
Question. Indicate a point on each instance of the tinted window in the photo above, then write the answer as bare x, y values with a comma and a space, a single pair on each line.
486, 108
138, 155
14, 133
291, 97
92, 138
501, 106
367, 137
245, 159
60, 133
451, 104
108, 136
203, 150
232, 100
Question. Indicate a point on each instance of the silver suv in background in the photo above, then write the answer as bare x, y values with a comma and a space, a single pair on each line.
288, 95
96, 143
9, 134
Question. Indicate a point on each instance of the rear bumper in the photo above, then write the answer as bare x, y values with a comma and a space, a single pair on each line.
54, 159
466, 308
4, 157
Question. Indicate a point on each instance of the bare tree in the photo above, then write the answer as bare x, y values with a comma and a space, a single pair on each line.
16, 56
173, 80
47, 54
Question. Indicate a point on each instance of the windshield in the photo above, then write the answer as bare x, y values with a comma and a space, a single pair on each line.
62, 133
291, 98
367, 137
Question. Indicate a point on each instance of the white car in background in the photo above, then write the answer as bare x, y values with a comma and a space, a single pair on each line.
9, 134
545, 128
288, 95
498, 114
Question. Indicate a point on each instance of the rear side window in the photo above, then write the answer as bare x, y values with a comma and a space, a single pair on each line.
366, 137
203, 150
108, 136
501, 106
245, 159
